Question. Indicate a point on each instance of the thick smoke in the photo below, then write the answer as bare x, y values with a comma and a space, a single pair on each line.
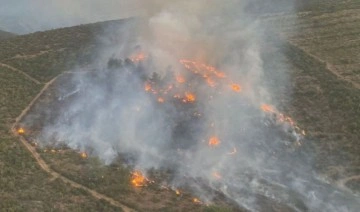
256, 155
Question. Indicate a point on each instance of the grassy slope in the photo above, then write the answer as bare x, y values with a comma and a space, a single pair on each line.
330, 31
44, 55
324, 44
6, 35
321, 108
24, 186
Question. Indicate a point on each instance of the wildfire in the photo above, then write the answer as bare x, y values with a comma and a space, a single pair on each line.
83, 155
139, 57
161, 100
220, 74
203, 70
137, 179
189, 97
236, 87
21, 131
196, 200
177, 192
210, 82
267, 108
147, 87
214, 141
180, 79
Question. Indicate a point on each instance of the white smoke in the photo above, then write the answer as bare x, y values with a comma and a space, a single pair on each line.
110, 113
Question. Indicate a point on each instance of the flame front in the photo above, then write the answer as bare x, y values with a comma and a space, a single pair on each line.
189, 97
214, 141
236, 87
21, 131
138, 179
196, 200
147, 87
137, 58
161, 100
83, 155
180, 79
267, 108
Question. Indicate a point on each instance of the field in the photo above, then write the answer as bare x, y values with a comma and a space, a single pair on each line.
323, 42
322, 46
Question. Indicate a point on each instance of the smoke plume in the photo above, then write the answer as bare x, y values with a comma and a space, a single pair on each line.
218, 124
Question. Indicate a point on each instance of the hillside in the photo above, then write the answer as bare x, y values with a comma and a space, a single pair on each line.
323, 41
28, 65
5, 35
322, 44
24, 185
329, 32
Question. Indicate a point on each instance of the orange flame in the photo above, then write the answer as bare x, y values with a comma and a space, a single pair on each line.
83, 155
220, 74
267, 108
214, 141
137, 179
21, 131
147, 87
161, 100
210, 82
189, 97
196, 200
202, 69
180, 79
236, 87
139, 57
177, 192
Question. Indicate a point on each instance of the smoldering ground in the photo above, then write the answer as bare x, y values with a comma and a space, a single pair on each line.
221, 135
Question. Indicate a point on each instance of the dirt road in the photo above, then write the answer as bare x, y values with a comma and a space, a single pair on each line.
21, 72
46, 167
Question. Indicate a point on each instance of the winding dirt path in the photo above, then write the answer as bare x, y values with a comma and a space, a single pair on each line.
21, 72
46, 167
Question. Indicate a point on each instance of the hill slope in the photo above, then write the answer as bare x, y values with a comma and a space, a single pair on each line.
323, 41
322, 59
6, 35
24, 185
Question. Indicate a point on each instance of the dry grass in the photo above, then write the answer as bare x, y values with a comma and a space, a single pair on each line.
24, 186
